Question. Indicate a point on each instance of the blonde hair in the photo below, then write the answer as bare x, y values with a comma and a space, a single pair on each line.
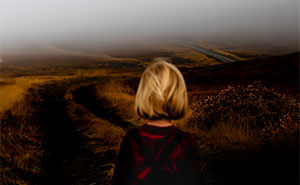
161, 92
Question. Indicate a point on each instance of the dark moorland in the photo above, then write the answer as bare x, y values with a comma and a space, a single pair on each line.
63, 116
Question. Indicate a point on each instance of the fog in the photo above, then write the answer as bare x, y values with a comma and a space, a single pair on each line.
84, 21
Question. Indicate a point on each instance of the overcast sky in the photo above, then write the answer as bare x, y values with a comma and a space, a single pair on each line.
264, 20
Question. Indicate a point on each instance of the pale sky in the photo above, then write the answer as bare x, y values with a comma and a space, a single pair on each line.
264, 20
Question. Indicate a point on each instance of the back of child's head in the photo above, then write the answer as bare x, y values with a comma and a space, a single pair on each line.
162, 92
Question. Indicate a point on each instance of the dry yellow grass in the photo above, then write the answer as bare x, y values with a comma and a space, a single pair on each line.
120, 98
184, 124
92, 72
228, 54
230, 135
14, 89
9, 95
193, 55
21, 144
107, 72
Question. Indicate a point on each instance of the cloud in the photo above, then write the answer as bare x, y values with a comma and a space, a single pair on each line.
56, 20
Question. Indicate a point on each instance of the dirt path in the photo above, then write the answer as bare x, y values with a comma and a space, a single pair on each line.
86, 97
66, 162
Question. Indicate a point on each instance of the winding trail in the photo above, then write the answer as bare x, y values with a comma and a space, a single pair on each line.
66, 162
86, 97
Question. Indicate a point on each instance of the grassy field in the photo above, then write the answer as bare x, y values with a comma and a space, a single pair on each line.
62, 123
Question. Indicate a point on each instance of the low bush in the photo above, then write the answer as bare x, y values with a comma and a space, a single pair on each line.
249, 132
255, 105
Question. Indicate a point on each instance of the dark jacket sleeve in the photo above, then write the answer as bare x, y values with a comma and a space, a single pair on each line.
124, 160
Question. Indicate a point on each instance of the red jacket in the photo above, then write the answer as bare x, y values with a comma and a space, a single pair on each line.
151, 155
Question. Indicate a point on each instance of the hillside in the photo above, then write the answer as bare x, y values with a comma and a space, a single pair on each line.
278, 72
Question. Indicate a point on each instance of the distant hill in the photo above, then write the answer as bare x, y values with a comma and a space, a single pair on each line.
279, 72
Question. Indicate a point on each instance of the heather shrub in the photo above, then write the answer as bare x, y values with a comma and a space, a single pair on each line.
255, 105
246, 132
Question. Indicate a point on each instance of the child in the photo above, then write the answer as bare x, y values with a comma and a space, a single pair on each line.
157, 153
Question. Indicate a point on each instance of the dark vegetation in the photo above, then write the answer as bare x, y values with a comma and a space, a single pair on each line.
244, 115
255, 131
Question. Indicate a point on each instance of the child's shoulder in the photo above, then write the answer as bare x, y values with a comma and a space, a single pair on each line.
136, 131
